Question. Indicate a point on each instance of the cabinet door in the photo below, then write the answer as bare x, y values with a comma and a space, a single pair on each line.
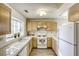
23, 52
28, 49
49, 42
34, 42
73, 13
5, 19
32, 26
54, 45
29, 26
30, 46
51, 26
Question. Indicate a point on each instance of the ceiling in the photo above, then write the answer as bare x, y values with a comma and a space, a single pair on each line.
51, 9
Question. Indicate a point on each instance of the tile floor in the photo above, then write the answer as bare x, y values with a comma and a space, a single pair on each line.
42, 52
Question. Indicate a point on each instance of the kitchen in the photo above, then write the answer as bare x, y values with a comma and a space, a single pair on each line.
32, 29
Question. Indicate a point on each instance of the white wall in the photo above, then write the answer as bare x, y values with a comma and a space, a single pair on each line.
15, 13
61, 21
62, 18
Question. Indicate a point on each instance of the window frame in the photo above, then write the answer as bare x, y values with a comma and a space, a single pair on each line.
19, 21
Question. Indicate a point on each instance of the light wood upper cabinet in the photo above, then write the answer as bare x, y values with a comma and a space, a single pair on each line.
5, 19
32, 25
74, 13
51, 26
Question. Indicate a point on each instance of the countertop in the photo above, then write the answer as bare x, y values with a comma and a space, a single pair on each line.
15, 48
55, 37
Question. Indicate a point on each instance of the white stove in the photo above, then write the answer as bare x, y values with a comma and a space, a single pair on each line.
41, 35
41, 39
41, 42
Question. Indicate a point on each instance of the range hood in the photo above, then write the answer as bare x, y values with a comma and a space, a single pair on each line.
41, 28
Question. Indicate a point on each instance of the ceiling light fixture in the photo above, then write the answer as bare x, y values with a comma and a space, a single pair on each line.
42, 12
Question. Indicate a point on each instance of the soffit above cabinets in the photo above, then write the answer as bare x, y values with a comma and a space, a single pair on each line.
32, 9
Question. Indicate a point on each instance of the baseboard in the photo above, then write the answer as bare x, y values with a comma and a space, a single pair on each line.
34, 48
49, 48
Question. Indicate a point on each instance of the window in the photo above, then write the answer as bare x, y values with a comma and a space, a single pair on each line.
17, 26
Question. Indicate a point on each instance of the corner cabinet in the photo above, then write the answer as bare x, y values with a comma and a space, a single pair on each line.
5, 19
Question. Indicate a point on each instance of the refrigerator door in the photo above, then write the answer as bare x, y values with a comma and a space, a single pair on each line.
77, 38
66, 49
66, 32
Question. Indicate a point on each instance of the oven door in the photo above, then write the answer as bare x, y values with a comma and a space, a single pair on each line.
42, 43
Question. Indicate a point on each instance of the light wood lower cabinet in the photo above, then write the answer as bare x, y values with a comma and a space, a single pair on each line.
30, 47
49, 42
55, 46
26, 50
34, 42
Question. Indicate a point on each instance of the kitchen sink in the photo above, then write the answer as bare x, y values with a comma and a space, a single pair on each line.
13, 49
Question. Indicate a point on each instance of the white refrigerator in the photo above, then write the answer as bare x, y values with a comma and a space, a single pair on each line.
68, 36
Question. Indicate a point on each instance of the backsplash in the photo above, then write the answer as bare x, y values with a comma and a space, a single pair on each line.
6, 39
48, 33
